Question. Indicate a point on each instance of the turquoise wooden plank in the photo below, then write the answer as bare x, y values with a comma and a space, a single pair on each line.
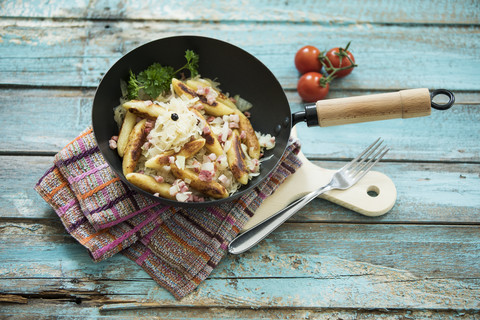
451, 135
18, 198
37, 109
290, 252
308, 12
354, 266
44, 308
78, 53
356, 292
432, 193
297, 250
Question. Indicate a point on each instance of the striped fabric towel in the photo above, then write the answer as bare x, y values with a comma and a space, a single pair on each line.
177, 247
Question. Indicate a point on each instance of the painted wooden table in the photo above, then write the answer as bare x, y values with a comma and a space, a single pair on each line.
420, 260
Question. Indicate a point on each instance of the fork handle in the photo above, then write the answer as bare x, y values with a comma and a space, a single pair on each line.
401, 104
251, 237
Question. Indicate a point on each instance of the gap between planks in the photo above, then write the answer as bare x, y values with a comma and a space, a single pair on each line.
4, 222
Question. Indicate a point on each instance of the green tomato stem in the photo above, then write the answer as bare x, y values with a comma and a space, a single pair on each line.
333, 70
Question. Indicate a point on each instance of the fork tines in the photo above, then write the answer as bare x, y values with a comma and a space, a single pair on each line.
359, 166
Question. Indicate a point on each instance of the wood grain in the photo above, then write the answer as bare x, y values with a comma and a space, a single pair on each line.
384, 106
441, 136
345, 266
449, 194
115, 309
307, 12
82, 51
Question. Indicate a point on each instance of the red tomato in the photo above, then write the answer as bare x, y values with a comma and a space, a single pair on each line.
339, 58
306, 59
310, 88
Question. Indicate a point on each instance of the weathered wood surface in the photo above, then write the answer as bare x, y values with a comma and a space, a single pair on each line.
39, 111
421, 260
442, 12
79, 52
449, 193
339, 264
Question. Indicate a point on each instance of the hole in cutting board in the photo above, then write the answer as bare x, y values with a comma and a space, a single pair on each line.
373, 191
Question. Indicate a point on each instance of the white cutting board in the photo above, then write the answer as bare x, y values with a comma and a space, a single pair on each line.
310, 177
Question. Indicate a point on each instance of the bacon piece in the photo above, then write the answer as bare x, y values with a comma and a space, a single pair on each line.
205, 175
207, 130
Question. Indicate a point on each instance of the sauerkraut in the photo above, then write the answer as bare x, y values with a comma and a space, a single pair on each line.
170, 134
184, 119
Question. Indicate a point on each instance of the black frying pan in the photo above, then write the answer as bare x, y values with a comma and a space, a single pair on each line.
241, 73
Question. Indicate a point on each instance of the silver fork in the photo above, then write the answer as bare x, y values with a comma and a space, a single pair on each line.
344, 178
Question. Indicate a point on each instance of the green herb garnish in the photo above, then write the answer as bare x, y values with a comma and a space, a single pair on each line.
156, 79
192, 63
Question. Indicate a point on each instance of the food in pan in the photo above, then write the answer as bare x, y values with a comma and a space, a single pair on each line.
191, 143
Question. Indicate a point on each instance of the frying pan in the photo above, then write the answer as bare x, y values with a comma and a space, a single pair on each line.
241, 73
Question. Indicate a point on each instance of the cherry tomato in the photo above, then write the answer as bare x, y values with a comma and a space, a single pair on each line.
306, 59
310, 88
339, 58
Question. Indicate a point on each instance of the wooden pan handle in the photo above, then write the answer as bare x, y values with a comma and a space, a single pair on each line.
401, 104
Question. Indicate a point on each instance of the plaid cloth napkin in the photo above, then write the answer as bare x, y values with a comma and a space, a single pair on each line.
177, 247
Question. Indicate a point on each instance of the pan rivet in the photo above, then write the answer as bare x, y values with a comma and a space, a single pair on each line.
286, 122
277, 130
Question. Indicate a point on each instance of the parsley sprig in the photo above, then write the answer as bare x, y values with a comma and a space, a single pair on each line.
156, 79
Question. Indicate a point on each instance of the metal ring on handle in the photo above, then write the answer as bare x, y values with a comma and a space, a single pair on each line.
445, 92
